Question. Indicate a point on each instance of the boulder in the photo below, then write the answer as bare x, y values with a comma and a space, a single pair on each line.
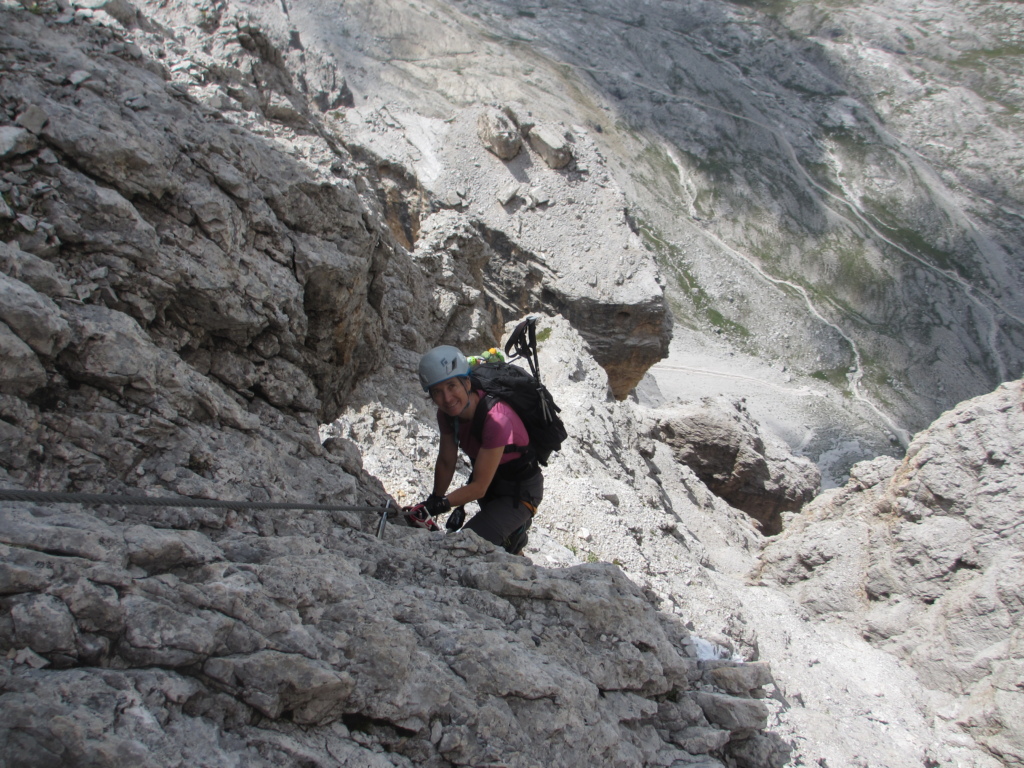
44, 624
156, 550
21, 372
727, 451
551, 144
15, 141
32, 119
732, 714
35, 272
499, 133
34, 317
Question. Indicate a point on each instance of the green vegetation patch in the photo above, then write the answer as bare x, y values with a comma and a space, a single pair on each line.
981, 57
845, 259
716, 166
728, 326
912, 240
824, 176
769, 7
670, 259
837, 377
655, 167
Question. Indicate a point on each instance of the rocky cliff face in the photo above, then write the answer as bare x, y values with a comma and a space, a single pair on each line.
286, 638
801, 601
213, 243
195, 276
923, 557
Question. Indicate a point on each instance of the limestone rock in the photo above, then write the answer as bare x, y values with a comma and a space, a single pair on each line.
32, 119
550, 143
556, 243
721, 443
732, 714
742, 679
44, 624
213, 286
15, 141
33, 271
502, 653
21, 373
701, 740
924, 557
499, 133
155, 550
274, 682
235, 268
760, 751
33, 317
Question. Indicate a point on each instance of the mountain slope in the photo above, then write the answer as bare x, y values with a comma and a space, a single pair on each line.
797, 170
206, 256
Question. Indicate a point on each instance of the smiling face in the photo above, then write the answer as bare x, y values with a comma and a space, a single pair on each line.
451, 396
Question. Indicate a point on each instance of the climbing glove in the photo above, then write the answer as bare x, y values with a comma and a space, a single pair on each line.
455, 519
437, 505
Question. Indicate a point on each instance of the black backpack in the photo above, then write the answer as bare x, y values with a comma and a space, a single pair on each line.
524, 393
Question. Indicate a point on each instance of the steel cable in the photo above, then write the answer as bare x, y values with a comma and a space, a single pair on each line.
10, 494
48, 497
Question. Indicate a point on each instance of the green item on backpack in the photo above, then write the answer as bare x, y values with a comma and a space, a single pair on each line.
492, 355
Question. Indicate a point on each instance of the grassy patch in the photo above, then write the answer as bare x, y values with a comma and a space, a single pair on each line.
824, 176
912, 240
655, 167
543, 335
716, 166
981, 57
851, 270
704, 203
850, 142
837, 377
769, 7
670, 259
728, 326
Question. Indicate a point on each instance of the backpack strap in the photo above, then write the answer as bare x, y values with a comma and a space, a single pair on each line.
477, 426
511, 471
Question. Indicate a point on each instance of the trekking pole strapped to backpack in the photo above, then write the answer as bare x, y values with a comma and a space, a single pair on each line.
524, 341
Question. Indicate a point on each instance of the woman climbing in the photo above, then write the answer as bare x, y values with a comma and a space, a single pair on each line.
506, 479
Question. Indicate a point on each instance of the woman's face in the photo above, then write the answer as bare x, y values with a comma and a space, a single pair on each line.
451, 396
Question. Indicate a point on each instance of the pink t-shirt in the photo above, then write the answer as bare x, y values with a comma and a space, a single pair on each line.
502, 427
